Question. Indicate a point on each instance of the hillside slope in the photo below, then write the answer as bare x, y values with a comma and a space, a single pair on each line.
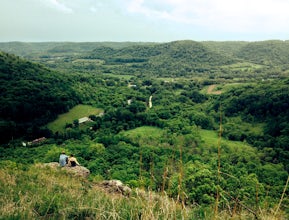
31, 95
34, 49
179, 58
35, 192
269, 53
185, 58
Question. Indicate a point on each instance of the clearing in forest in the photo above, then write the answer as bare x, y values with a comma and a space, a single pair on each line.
75, 113
144, 134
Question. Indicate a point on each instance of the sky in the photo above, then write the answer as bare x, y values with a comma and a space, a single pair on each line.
143, 20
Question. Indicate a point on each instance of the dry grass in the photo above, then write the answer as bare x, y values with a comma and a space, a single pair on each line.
41, 193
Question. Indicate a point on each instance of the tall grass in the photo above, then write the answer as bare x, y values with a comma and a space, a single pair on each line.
43, 193
34, 192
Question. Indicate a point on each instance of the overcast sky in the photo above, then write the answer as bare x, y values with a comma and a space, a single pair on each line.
143, 20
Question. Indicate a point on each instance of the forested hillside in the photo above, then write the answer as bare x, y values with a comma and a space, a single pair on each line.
270, 53
267, 103
164, 59
43, 48
31, 96
205, 123
226, 47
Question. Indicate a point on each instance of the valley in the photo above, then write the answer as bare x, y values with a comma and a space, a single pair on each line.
194, 121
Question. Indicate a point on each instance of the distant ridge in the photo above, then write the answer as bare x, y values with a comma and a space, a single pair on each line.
274, 52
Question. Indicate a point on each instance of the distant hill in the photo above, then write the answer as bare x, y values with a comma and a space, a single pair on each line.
214, 52
225, 47
177, 58
171, 59
28, 49
31, 95
270, 53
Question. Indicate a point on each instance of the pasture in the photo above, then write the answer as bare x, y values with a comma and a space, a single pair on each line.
75, 113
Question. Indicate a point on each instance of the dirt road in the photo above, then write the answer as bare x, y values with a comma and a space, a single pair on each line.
211, 90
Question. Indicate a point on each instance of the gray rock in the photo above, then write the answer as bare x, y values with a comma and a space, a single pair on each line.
116, 186
77, 170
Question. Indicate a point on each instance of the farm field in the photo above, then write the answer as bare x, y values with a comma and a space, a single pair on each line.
75, 113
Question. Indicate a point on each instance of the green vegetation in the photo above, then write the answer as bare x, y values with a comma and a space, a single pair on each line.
266, 52
31, 96
163, 105
77, 112
65, 197
143, 134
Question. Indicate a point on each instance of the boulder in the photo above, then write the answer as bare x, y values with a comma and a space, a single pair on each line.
116, 186
77, 170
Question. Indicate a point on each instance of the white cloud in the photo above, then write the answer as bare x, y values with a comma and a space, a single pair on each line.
146, 20
224, 15
93, 9
83, 6
60, 6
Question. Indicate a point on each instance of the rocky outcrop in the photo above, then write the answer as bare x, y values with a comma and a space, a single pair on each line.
116, 186
110, 186
77, 170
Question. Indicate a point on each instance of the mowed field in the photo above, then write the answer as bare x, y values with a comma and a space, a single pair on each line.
144, 134
218, 89
75, 113
208, 146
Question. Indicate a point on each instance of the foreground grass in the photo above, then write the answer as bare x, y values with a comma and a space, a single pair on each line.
42, 193
36, 192
76, 112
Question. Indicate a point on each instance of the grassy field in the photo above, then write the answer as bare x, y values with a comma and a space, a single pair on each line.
243, 66
222, 87
125, 77
211, 141
144, 134
211, 138
76, 112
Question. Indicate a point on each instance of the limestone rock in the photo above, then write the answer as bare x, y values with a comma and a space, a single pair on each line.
77, 170
114, 186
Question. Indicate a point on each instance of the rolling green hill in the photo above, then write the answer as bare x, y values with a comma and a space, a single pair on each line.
33, 49
172, 59
270, 53
31, 96
204, 123
225, 47
179, 58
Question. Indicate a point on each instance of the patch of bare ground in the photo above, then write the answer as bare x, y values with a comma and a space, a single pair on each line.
211, 90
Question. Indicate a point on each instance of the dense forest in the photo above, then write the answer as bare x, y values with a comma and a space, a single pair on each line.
31, 96
201, 121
